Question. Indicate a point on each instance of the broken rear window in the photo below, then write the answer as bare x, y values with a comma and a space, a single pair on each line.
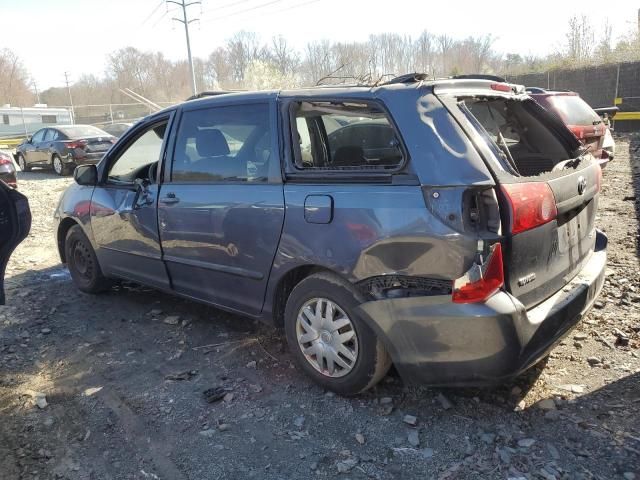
518, 133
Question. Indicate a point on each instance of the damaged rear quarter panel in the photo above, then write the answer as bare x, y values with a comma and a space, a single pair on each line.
376, 230
382, 228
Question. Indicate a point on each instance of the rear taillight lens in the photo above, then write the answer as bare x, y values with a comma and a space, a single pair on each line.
500, 87
77, 144
5, 159
482, 281
578, 131
532, 204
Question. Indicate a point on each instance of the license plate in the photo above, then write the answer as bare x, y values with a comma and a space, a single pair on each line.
99, 147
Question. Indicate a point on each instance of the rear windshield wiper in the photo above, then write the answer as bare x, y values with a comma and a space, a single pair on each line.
507, 152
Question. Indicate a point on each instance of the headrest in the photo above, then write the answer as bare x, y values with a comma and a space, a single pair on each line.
211, 143
348, 156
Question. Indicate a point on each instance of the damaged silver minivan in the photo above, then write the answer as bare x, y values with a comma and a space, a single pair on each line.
444, 226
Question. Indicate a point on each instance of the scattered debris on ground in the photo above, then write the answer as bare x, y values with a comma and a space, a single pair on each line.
137, 384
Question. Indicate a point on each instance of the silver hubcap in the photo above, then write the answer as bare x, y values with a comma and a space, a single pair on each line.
326, 337
57, 164
22, 163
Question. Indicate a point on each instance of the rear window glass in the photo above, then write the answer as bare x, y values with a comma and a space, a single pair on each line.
519, 133
573, 110
344, 136
78, 131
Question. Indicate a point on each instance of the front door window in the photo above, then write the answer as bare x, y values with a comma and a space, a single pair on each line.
139, 157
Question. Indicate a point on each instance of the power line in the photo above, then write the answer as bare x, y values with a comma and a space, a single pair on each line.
226, 5
290, 7
152, 13
238, 12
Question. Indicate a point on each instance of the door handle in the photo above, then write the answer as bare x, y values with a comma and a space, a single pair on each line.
169, 199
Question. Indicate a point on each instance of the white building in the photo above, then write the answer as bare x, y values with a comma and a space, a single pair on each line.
20, 121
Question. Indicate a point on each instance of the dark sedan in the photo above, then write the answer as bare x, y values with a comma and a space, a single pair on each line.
63, 147
7, 170
15, 223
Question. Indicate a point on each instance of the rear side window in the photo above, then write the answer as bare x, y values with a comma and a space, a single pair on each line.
344, 136
573, 110
51, 135
223, 144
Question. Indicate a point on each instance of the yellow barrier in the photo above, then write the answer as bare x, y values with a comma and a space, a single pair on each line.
627, 116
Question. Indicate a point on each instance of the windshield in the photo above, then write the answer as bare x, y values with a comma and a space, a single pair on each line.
573, 110
77, 131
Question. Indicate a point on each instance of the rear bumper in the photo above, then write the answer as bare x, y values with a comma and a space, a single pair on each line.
434, 341
87, 159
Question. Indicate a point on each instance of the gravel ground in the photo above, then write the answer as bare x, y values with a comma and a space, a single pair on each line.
111, 386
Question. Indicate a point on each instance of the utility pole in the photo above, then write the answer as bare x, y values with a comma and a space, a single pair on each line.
73, 114
35, 87
182, 4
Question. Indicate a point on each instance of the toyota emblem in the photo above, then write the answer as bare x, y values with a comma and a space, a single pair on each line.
582, 185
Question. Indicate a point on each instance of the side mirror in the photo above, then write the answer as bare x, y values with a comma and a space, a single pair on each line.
28, 138
86, 175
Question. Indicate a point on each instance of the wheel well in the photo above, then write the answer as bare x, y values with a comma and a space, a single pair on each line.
286, 285
63, 228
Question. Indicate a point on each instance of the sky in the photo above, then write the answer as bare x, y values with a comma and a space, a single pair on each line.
54, 36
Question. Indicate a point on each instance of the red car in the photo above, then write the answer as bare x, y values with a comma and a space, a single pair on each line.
581, 119
7, 170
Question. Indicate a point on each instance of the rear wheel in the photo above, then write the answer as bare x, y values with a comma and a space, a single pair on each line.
329, 341
58, 166
22, 163
83, 263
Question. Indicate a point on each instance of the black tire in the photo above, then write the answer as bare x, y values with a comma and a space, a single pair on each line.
22, 163
58, 166
83, 263
372, 361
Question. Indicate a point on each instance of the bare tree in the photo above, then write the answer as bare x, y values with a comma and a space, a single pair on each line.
285, 59
580, 40
14, 80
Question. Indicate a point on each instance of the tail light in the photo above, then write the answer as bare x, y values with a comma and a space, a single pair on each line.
482, 280
500, 87
532, 204
5, 159
77, 144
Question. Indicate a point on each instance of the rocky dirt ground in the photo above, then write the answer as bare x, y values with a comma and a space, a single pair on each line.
111, 386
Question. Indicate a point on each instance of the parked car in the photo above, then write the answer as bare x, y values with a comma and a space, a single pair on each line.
461, 246
581, 119
7, 170
116, 129
63, 147
607, 114
15, 223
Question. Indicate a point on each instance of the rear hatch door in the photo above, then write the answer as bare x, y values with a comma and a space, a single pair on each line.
531, 150
541, 260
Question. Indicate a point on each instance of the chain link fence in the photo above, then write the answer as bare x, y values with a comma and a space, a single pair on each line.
16, 123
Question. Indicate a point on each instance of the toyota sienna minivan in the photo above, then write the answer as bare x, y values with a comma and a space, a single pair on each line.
446, 227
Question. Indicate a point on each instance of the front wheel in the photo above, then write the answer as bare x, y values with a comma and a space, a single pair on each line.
83, 263
328, 339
